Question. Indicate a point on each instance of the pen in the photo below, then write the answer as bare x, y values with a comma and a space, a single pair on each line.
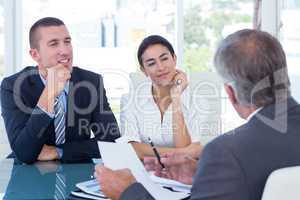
156, 153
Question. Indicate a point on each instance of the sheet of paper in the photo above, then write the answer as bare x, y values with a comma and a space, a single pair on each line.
122, 155
86, 196
175, 185
91, 187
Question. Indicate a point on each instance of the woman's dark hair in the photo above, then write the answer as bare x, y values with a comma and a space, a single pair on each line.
152, 40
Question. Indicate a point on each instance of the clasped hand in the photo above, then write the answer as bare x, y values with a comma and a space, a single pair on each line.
56, 77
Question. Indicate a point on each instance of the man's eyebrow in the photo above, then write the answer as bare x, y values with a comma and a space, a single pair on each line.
150, 59
56, 40
163, 54
53, 40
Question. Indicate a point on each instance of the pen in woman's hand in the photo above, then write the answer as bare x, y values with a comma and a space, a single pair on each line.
156, 153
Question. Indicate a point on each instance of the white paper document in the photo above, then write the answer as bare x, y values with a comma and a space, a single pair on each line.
91, 187
122, 155
90, 190
175, 185
86, 195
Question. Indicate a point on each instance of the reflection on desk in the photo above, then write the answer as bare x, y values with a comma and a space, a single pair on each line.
43, 180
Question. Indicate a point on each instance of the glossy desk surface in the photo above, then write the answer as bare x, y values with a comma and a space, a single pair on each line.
39, 181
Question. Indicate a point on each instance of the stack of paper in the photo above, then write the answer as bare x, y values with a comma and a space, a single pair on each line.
89, 189
168, 183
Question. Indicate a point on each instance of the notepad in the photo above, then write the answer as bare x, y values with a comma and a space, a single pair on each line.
89, 189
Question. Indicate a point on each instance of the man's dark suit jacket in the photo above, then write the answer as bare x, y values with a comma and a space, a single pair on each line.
236, 165
29, 128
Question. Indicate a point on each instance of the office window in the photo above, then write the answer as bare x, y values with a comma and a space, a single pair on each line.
206, 22
105, 34
1, 39
290, 39
4, 147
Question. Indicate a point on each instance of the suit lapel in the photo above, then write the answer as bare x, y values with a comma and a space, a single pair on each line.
36, 85
34, 89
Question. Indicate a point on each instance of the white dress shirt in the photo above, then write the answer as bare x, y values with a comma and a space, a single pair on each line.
140, 118
253, 114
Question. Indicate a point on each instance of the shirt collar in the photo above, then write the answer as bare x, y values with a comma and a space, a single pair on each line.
253, 113
66, 88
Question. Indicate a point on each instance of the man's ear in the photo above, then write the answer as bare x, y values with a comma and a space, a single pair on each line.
34, 54
231, 94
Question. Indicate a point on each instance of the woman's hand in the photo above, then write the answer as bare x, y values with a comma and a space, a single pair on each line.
180, 82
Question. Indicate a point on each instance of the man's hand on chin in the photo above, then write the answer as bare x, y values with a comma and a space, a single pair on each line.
48, 153
113, 182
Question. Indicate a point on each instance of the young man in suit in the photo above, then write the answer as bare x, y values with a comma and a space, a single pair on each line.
50, 109
237, 164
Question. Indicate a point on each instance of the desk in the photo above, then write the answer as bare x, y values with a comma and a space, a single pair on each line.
40, 180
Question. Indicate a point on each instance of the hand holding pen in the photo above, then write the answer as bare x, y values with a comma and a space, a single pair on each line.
156, 153
179, 166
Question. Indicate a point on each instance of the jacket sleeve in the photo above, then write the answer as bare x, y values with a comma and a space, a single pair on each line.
25, 126
136, 191
104, 126
219, 175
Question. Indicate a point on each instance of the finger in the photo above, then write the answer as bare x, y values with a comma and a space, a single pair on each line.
125, 171
170, 161
167, 154
158, 167
97, 167
179, 70
178, 82
149, 163
189, 158
95, 175
149, 160
59, 65
161, 173
101, 169
181, 74
175, 77
150, 167
68, 75
167, 160
44, 72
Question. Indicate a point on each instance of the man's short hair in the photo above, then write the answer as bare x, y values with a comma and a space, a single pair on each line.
44, 22
254, 64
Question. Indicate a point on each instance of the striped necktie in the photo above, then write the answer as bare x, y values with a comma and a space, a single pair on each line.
59, 121
60, 187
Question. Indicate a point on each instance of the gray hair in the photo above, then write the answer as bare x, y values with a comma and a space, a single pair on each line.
254, 64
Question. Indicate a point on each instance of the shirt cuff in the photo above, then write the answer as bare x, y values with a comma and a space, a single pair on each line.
59, 152
51, 115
